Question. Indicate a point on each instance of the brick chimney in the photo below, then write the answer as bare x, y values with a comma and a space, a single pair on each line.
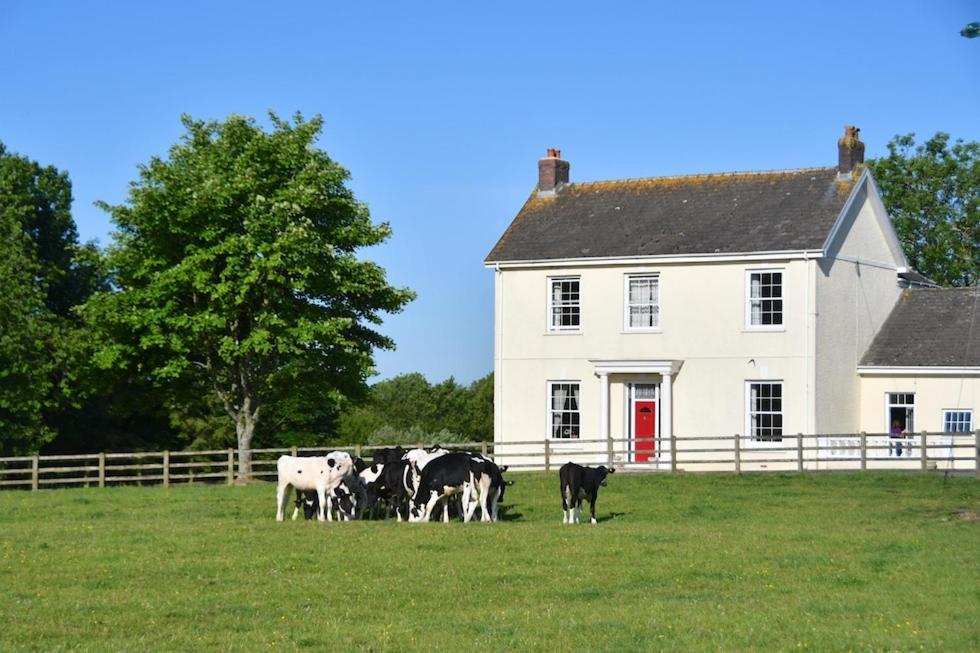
552, 171
850, 152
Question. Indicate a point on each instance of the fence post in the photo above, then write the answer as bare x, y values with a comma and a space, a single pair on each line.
293, 451
166, 468
864, 451
799, 452
976, 453
673, 452
547, 455
609, 452
102, 469
738, 454
357, 453
231, 467
35, 472
924, 453
483, 448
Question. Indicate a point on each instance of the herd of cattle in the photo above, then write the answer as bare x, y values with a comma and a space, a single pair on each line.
416, 485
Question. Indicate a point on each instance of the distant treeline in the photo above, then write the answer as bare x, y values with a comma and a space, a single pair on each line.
408, 409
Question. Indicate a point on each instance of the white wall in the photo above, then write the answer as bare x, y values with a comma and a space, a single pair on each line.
856, 289
702, 324
933, 394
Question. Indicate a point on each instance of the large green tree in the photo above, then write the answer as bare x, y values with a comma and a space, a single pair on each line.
30, 347
235, 265
932, 192
44, 275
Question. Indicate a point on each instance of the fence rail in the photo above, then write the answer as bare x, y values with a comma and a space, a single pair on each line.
958, 452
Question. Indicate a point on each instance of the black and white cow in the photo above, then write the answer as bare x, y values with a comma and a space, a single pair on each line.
372, 480
489, 485
442, 478
397, 484
577, 483
306, 501
388, 455
422, 457
348, 499
359, 465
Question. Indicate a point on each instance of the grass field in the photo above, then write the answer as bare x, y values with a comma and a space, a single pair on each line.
834, 562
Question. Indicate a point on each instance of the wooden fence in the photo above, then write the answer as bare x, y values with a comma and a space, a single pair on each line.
164, 468
959, 452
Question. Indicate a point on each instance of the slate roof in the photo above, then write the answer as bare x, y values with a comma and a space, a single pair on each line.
698, 214
930, 327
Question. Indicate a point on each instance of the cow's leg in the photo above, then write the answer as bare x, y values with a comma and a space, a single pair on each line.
469, 502
592, 506
487, 494
565, 500
282, 496
321, 496
495, 505
430, 505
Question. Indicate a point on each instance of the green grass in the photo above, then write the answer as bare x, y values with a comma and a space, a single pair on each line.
875, 562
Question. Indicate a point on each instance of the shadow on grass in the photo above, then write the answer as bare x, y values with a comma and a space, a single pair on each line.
507, 513
609, 517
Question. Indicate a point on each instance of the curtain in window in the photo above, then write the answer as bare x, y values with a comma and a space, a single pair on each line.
558, 394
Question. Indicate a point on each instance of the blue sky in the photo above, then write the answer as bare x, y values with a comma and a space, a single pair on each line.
440, 110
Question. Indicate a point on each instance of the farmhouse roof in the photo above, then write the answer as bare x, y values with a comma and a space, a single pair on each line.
724, 213
930, 327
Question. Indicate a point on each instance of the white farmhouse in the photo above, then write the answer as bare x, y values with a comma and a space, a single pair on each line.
758, 303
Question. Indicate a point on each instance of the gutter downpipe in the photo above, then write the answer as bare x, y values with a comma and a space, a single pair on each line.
810, 408
498, 373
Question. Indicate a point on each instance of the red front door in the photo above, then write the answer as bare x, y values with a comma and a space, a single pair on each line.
645, 422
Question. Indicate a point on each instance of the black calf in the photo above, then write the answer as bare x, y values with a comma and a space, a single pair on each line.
577, 483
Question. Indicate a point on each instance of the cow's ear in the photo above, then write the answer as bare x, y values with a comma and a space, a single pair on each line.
612, 470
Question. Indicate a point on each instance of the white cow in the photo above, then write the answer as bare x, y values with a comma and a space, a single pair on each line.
422, 457
319, 473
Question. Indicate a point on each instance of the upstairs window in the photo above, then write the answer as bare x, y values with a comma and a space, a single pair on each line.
564, 309
957, 421
765, 299
563, 407
765, 411
642, 302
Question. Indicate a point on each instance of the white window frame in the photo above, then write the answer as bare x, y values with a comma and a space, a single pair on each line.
888, 412
748, 300
550, 411
750, 436
557, 328
967, 411
627, 278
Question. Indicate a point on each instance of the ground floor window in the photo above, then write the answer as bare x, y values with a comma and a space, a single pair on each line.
564, 408
957, 421
901, 412
765, 411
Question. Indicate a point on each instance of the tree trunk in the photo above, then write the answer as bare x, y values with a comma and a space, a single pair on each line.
244, 428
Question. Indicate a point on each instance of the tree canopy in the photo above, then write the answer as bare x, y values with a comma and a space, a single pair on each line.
236, 269
44, 275
932, 192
